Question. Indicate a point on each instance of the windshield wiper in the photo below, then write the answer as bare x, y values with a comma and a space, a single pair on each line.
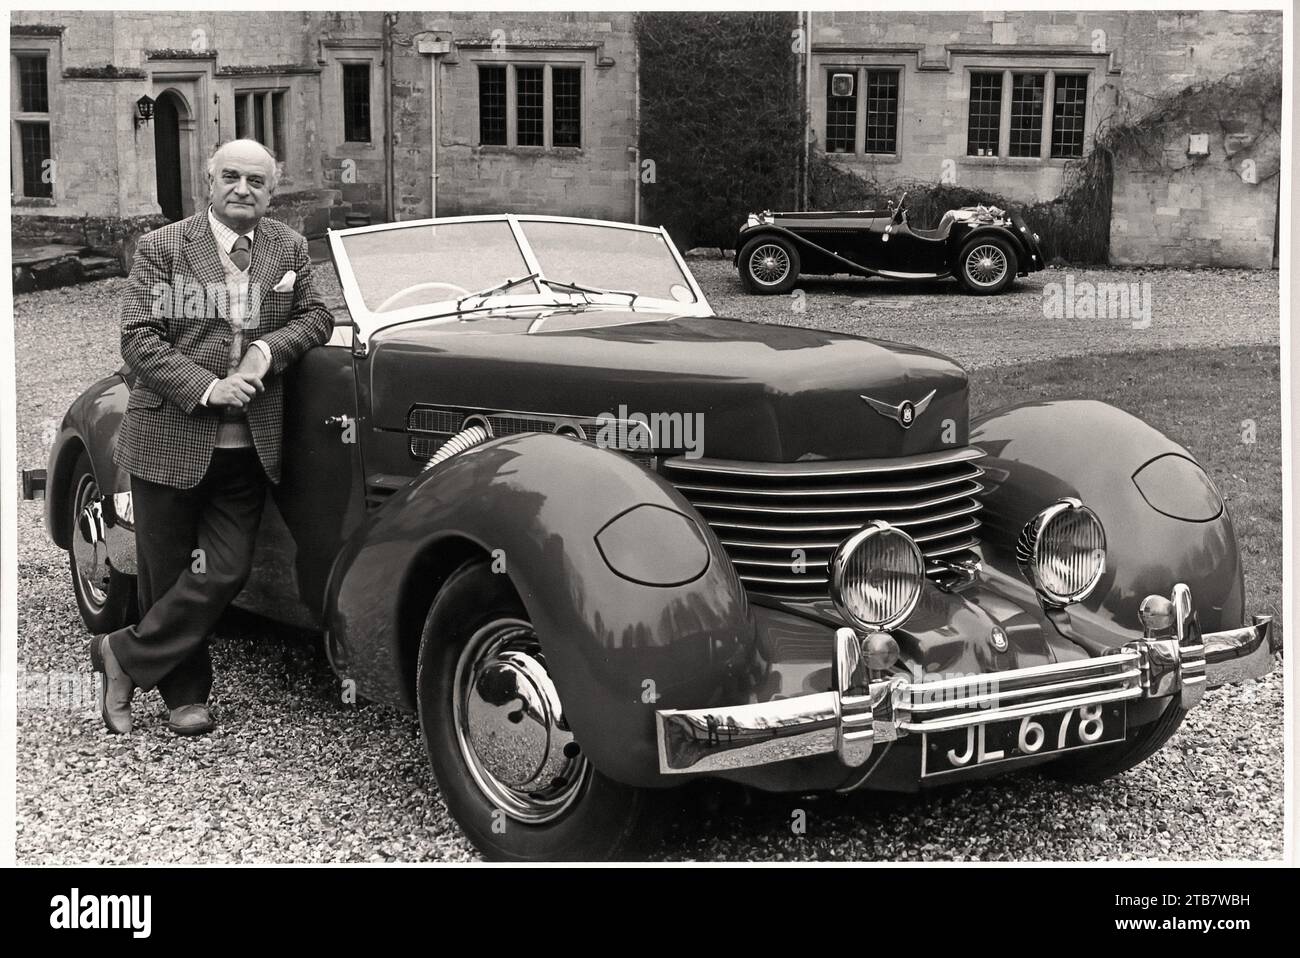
579, 288
499, 288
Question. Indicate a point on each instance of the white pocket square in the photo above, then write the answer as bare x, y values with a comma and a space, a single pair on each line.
286, 283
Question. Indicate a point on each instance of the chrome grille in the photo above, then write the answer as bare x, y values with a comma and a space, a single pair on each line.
428, 427
447, 421
507, 425
780, 522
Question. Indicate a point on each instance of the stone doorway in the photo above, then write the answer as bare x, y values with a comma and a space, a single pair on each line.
174, 152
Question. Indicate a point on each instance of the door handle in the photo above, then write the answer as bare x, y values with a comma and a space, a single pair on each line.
342, 420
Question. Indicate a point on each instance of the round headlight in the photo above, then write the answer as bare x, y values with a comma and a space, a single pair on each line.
1062, 552
876, 576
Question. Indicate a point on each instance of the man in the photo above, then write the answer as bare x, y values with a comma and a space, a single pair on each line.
201, 434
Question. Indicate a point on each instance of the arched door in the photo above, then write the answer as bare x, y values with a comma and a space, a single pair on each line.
167, 154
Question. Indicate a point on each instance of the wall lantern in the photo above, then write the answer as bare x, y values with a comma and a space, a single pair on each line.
143, 109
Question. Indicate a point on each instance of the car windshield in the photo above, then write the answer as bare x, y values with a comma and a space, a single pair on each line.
415, 265
410, 266
606, 257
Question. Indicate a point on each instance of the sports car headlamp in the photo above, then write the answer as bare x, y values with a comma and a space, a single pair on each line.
876, 577
1062, 552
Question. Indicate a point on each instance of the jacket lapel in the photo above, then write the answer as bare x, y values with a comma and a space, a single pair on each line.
201, 250
262, 272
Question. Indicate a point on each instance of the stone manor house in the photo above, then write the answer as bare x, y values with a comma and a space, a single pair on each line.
381, 116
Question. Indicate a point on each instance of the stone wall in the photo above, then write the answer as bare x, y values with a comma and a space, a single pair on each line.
594, 180
1221, 208
935, 53
112, 235
105, 61
102, 62
1205, 212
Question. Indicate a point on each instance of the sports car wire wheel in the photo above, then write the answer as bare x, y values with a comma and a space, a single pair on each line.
986, 265
510, 725
769, 265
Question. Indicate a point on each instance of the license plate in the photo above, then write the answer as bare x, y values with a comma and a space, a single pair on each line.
1005, 740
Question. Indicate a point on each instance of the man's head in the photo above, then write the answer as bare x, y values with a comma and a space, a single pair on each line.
243, 175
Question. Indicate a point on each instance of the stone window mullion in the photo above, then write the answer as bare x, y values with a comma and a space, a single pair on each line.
1049, 109
1004, 125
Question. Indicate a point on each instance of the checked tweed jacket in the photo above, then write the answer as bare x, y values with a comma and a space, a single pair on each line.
176, 338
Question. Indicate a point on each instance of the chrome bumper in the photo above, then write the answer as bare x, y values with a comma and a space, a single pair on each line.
860, 712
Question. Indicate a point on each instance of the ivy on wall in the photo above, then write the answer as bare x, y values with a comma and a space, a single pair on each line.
1240, 111
721, 120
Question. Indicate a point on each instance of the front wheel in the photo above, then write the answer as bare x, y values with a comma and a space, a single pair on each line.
106, 598
1093, 765
507, 763
987, 265
769, 265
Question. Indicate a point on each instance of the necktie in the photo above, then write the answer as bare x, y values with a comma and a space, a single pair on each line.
241, 253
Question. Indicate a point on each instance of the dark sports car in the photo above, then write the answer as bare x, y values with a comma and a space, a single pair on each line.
983, 247
502, 508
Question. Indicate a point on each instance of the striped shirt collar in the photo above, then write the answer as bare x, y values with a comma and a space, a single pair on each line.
224, 235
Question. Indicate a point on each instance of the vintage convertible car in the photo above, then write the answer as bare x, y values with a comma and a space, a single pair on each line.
502, 510
984, 247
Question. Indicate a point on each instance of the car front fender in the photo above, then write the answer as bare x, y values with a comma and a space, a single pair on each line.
617, 648
1038, 452
91, 424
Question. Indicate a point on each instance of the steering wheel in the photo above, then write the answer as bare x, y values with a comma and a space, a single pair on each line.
900, 207
458, 291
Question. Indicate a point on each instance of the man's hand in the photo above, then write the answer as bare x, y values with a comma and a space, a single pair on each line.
236, 390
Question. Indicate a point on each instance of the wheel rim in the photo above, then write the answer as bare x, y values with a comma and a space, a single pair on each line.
769, 264
511, 728
986, 265
89, 551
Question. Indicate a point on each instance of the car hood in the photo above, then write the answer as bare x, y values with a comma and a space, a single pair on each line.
765, 392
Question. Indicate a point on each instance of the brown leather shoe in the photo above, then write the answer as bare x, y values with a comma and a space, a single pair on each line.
117, 688
190, 720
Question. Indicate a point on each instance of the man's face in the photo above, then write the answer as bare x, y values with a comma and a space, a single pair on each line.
241, 185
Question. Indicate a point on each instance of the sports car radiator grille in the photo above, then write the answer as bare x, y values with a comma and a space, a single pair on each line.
780, 522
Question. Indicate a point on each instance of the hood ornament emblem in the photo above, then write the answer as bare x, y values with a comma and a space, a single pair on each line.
904, 413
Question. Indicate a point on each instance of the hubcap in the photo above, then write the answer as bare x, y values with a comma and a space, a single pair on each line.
511, 727
88, 547
769, 265
986, 265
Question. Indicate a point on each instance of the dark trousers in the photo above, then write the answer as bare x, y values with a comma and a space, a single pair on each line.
194, 550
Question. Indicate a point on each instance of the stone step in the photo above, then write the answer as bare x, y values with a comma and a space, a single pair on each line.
53, 265
99, 267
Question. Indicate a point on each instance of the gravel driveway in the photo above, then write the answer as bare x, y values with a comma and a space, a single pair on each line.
1187, 308
294, 773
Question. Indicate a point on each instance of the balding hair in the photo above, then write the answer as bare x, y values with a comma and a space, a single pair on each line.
277, 168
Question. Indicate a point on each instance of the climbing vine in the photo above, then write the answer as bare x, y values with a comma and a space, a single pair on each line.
721, 120
1241, 111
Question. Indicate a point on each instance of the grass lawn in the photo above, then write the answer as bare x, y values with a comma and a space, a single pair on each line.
1202, 399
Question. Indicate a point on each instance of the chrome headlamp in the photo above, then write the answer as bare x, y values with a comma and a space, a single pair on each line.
876, 577
1062, 552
